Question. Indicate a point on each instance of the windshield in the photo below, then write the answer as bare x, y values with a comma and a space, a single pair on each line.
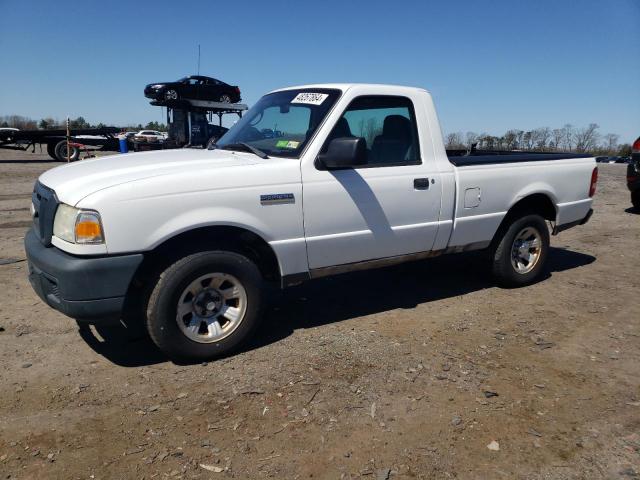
282, 123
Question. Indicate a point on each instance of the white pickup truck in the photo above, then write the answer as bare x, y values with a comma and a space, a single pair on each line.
313, 181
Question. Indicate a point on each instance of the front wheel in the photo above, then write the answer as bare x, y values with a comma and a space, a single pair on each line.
521, 251
205, 305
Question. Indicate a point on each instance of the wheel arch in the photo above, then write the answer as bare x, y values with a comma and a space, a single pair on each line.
540, 203
225, 237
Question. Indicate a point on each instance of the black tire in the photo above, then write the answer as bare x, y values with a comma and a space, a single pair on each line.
61, 152
161, 312
503, 269
635, 199
225, 98
51, 150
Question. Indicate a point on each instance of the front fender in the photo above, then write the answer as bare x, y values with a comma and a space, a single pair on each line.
207, 217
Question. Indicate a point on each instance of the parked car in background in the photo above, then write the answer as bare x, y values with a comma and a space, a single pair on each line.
633, 174
149, 136
194, 87
602, 159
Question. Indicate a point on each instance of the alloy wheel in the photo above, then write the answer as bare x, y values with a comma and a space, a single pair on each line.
211, 307
526, 250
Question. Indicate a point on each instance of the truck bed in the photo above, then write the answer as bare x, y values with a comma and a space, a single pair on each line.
484, 194
460, 158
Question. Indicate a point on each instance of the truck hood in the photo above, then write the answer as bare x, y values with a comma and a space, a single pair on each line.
75, 181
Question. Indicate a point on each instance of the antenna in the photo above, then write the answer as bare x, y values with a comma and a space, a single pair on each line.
198, 59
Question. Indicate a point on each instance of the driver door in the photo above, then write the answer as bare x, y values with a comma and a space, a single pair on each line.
386, 208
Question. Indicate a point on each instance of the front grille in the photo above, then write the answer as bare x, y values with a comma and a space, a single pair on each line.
45, 204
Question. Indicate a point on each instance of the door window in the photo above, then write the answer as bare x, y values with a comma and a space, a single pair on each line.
388, 126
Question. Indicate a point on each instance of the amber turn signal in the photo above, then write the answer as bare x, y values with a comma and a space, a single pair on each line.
88, 228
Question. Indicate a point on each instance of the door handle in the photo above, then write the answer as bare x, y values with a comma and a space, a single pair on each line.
421, 183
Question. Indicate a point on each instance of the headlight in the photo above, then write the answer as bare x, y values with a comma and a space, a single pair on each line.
65, 222
155, 87
78, 226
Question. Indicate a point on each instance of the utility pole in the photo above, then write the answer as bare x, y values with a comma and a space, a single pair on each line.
198, 59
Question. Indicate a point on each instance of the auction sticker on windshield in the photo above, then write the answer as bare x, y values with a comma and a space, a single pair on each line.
310, 98
287, 144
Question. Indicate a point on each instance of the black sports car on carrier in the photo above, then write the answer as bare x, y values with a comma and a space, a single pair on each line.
195, 87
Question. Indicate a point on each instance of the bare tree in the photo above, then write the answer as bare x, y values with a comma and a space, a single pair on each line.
483, 140
540, 137
18, 121
488, 142
625, 150
556, 138
567, 137
511, 139
472, 138
610, 142
586, 138
454, 140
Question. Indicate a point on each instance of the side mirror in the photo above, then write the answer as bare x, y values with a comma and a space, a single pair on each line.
344, 152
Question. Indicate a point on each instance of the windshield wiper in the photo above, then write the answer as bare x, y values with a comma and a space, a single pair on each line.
246, 147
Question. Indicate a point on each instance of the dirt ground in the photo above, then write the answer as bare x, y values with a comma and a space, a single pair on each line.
405, 372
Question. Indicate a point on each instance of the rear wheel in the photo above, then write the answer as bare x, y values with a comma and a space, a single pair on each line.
225, 98
205, 305
521, 251
61, 152
635, 199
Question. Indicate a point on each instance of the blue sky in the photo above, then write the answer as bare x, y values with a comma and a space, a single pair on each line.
490, 65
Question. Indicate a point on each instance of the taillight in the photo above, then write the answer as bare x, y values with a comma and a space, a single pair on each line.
237, 90
594, 180
636, 146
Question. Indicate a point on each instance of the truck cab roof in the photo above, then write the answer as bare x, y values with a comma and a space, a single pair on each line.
382, 88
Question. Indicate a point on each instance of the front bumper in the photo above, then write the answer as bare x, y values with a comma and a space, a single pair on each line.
85, 288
